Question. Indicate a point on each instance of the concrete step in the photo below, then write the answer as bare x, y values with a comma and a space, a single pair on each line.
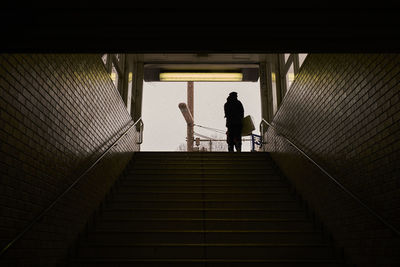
243, 172
222, 154
210, 203
208, 162
160, 182
201, 176
203, 224
203, 209
222, 236
214, 186
89, 262
198, 165
202, 213
210, 251
162, 154
199, 182
187, 195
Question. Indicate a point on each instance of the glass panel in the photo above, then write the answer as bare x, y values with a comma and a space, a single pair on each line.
301, 59
129, 101
104, 58
114, 76
286, 57
274, 96
290, 77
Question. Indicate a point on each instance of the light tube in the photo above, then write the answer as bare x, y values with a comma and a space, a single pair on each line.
201, 76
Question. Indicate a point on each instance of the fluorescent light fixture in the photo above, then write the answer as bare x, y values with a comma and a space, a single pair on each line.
201, 76
187, 73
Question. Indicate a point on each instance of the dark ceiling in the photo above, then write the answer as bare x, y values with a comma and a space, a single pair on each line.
199, 30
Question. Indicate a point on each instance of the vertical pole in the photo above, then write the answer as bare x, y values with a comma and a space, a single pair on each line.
278, 80
282, 74
190, 97
109, 63
125, 80
266, 94
190, 103
296, 63
266, 91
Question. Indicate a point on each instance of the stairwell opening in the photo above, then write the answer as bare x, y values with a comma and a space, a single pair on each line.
166, 127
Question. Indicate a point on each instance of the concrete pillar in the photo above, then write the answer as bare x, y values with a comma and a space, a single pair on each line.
296, 63
278, 80
108, 63
125, 80
266, 91
137, 90
282, 74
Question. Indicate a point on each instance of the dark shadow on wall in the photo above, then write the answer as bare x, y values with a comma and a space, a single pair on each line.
58, 113
364, 238
85, 163
343, 110
48, 241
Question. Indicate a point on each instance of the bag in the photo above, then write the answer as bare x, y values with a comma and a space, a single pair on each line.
248, 126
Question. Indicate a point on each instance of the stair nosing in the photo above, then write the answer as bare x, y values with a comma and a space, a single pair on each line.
201, 185
203, 192
215, 245
163, 182
212, 231
206, 219
198, 209
238, 260
207, 200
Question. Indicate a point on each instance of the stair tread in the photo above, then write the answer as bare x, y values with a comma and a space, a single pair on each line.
210, 231
198, 209
211, 200
97, 244
200, 167
177, 183
205, 178
210, 260
203, 192
205, 181
245, 185
180, 208
206, 219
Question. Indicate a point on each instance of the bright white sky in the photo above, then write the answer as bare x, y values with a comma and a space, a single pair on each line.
165, 127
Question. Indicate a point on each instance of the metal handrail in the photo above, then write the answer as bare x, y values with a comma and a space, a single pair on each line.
352, 195
40, 216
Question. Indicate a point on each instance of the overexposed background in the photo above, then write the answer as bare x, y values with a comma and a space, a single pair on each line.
165, 127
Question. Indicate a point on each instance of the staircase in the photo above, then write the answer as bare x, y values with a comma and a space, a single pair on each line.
203, 209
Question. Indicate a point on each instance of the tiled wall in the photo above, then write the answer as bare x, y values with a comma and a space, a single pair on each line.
344, 111
58, 113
